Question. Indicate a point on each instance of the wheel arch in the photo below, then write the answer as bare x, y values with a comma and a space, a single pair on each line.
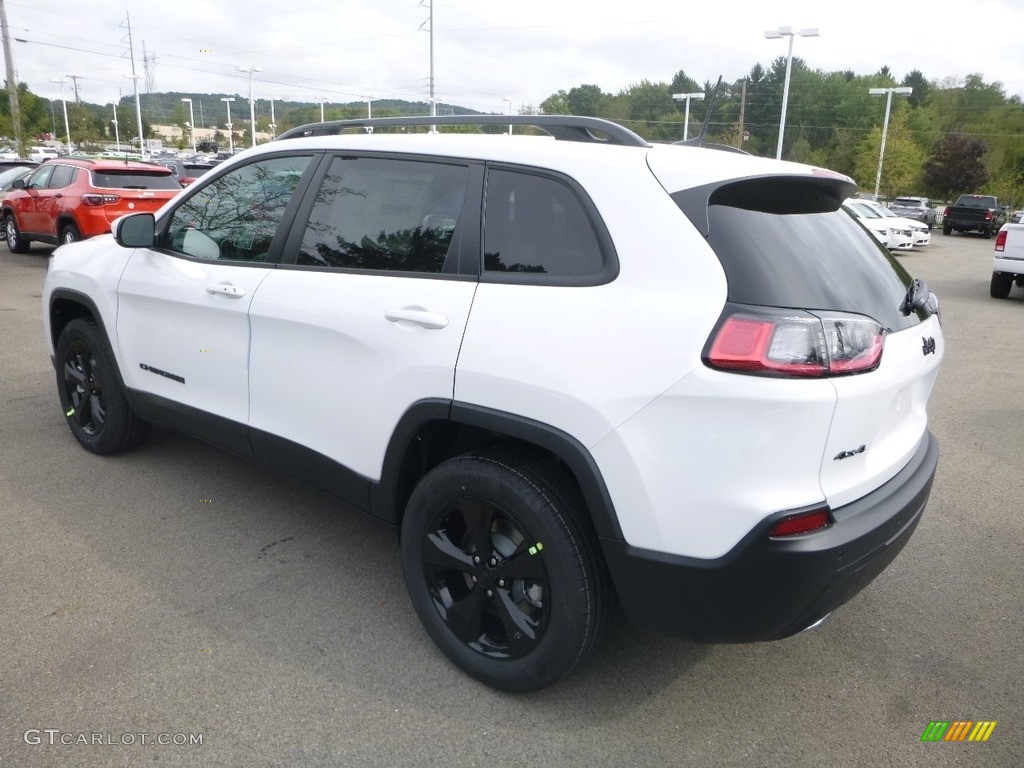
433, 431
67, 305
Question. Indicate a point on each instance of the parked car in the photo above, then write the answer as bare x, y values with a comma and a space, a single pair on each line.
41, 153
564, 370
919, 233
897, 237
916, 208
70, 199
974, 212
11, 175
1008, 260
185, 172
18, 162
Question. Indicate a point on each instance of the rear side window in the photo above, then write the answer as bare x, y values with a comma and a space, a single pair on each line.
134, 180
781, 247
535, 225
385, 214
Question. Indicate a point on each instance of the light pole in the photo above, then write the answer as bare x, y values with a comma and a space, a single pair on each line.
887, 92
117, 133
252, 104
321, 109
686, 120
191, 124
273, 122
776, 34
509, 100
231, 140
138, 113
67, 130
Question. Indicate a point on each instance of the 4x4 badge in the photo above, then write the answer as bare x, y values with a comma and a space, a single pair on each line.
928, 347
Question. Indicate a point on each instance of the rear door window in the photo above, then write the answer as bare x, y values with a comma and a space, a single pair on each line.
61, 177
385, 214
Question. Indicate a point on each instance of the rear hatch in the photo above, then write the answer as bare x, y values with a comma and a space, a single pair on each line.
791, 255
136, 190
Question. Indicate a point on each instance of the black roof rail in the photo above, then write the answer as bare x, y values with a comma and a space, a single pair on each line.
560, 127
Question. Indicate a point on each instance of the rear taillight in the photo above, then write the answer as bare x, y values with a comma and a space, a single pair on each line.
804, 346
945, 212
805, 522
1001, 240
988, 215
95, 199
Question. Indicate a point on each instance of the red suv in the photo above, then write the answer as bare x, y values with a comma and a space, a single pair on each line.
70, 199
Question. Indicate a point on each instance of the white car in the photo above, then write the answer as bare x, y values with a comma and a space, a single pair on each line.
920, 233
897, 237
567, 369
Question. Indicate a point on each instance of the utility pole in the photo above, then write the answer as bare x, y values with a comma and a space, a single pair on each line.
743, 108
74, 79
12, 81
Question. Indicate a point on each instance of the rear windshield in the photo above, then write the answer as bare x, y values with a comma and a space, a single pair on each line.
976, 202
817, 260
904, 202
134, 180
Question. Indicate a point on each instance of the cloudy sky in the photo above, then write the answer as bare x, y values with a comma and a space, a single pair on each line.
486, 51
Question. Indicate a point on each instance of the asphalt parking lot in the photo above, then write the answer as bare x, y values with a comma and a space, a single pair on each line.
180, 594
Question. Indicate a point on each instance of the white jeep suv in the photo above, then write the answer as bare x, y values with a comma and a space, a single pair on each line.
567, 369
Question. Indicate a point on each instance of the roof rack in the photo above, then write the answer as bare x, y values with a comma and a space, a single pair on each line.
560, 127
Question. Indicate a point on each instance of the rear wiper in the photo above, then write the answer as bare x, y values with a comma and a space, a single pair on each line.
917, 296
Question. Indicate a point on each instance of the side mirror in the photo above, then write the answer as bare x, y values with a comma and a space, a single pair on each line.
137, 230
18, 184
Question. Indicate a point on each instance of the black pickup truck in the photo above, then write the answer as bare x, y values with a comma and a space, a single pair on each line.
970, 213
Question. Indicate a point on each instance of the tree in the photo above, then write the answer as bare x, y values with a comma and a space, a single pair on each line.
901, 169
955, 166
922, 88
585, 100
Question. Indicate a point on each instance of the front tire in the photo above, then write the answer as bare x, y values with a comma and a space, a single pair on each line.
502, 570
1000, 286
91, 396
15, 242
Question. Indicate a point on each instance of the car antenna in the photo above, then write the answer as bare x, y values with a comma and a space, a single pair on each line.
698, 140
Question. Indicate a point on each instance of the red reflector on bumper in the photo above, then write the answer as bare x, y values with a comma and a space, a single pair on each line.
805, 523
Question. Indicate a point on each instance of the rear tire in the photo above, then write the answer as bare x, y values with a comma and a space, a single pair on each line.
502, 569
69, 234
15, 242
1000, 286
988, 233
91, 396
946, 229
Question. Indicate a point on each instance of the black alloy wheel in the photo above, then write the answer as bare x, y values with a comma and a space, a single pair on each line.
502, 573
487, 578
83, 388
91, 396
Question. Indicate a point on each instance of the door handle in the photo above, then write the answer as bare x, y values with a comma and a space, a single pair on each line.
223, 289
420, 317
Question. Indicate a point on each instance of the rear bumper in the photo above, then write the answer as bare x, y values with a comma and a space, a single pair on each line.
1010, 266
764, 588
